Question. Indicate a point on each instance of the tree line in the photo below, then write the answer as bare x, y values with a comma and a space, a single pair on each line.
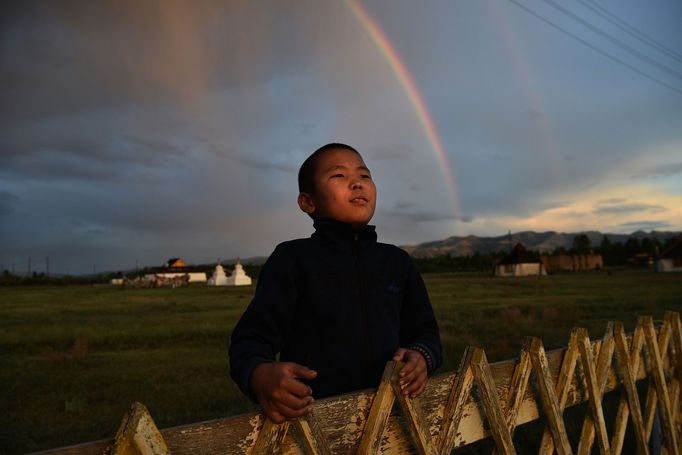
633, 252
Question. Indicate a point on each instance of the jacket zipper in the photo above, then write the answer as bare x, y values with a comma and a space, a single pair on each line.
363, 307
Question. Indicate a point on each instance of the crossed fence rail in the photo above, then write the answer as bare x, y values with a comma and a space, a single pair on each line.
478, 401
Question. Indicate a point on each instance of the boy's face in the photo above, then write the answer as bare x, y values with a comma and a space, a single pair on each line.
343, 190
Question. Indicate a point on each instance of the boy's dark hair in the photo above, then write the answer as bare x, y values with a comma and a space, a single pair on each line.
306, 174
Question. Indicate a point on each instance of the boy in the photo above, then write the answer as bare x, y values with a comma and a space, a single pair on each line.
336, 306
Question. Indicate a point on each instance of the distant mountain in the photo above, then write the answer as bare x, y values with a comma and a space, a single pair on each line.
540, 241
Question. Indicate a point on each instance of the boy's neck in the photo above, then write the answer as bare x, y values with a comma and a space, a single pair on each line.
340, 232
324, 219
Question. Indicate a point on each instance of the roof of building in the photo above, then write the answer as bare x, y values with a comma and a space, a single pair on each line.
176, 262
675, 251
519, 255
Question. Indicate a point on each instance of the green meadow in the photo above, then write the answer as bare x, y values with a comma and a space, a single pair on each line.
72, 359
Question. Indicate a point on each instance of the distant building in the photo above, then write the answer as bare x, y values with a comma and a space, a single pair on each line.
519, 262
176, 267
238, 276
218, 278
176, 263
572, 262
671, 259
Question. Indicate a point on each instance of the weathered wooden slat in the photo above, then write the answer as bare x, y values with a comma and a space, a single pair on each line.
549, 398
518, 386
413, 417
674, 390
652, 397
491, 403
269, 438
454, 409
673, 319
313, 439
564, 383
637, 342
138, 434
375, 424
604, 362
595, 420
669, 433
625, 365
342, 419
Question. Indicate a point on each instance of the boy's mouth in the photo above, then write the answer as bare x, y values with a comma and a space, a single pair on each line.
360, 200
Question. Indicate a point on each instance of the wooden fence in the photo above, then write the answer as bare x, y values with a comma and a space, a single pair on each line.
478, 401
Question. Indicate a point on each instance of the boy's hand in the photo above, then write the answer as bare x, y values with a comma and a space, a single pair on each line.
279, 392
413, 375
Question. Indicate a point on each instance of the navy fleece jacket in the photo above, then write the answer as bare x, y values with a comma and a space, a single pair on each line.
339, 303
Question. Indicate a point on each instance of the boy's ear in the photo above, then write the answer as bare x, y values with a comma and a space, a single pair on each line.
306, 203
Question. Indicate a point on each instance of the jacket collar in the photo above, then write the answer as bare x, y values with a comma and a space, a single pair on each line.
343, 233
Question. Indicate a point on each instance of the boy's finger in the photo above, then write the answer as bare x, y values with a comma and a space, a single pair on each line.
290, 413
399, 354
414, 386
415, 361
417, 371
301, 371
294, 402
408, 378
408, 368
419, 391
297, 388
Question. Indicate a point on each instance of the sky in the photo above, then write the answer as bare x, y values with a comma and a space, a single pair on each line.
132, 132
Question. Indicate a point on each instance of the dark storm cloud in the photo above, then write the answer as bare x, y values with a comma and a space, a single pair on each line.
8, 202
110, 54
624, 208
264, 165
55, 153
391, 152
55, 165
154, 145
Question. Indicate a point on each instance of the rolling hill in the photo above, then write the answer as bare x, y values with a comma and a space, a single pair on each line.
541, 241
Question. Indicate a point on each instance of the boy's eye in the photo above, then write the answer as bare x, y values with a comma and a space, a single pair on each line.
337, 175
366, 176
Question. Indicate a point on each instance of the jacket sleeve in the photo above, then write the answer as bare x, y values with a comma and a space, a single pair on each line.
418, 323
263, 328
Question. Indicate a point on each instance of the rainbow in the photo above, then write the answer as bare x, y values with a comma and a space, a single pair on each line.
403, 75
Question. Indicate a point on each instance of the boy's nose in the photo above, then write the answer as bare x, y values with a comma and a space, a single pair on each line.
356, 185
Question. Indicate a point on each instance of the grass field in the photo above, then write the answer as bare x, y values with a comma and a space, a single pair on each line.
74, 358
